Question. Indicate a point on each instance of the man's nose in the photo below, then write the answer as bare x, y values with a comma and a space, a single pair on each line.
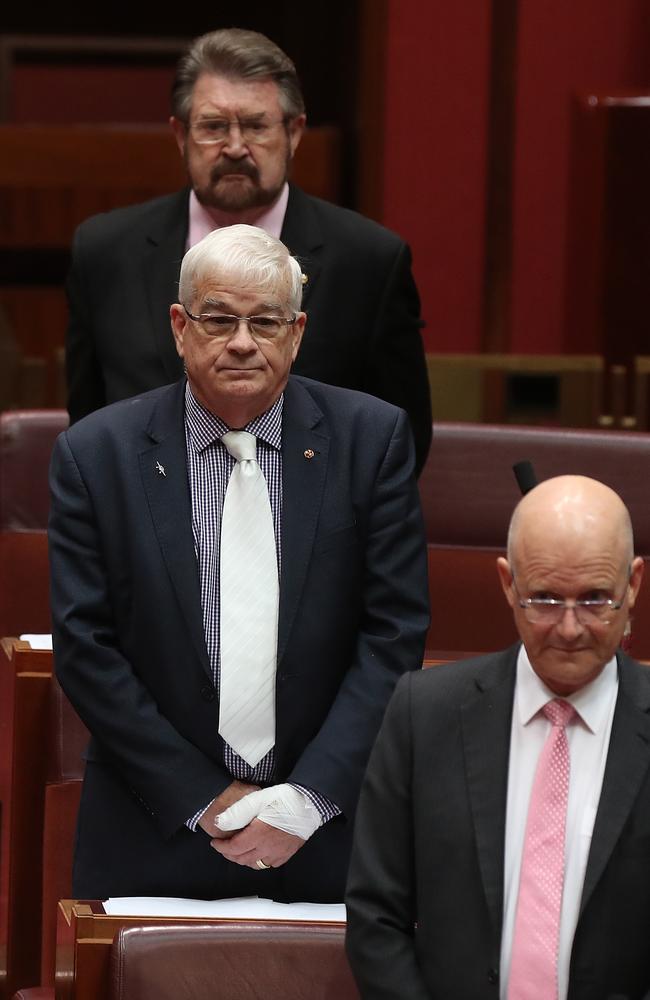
242, 340
235, 144
569, 625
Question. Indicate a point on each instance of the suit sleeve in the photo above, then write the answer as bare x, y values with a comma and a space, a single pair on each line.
85, 383
393, 622
381, 889
398, 370
169, 775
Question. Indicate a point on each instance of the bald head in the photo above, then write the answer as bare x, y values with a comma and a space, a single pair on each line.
570, 543
575, 509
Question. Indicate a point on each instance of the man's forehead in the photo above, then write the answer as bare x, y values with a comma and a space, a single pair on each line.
213, 94
234, 292
544, 556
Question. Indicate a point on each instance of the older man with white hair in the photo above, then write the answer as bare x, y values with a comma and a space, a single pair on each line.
238, 580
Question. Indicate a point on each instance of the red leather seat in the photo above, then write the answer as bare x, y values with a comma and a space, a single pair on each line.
468, 492
26, 440
236, 961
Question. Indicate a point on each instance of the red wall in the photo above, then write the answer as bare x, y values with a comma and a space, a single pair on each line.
563, 48
435, 143
434, 157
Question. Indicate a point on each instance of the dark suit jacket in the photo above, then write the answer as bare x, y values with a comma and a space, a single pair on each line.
363, 328
129, 645
430, 833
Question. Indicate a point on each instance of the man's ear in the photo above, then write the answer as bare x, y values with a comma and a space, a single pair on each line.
297, 330
179, 323
180, 133
505, 576
636, 575
295, 129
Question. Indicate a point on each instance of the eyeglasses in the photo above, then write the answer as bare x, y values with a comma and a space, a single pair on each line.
253, 131
550, 611
221, 326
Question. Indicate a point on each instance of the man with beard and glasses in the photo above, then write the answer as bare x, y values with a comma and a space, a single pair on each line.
238, 117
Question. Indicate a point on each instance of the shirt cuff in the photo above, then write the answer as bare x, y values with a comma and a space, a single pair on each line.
192, 823
327, 809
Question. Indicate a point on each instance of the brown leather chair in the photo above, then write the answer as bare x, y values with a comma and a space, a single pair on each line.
26, 440
468, 492
233, 961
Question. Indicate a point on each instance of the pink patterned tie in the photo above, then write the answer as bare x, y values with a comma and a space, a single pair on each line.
533, 967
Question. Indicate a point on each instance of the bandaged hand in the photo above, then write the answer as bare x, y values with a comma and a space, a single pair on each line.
281, 806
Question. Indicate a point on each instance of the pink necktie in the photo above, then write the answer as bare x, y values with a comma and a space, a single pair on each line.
533, 967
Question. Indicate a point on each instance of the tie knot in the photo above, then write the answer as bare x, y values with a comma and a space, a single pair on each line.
241, 445
559, 712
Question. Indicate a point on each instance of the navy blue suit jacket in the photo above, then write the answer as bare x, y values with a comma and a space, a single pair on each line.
129, 644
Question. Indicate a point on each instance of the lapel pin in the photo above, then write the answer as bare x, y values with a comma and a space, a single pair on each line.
305, 279
161, 469
308, 453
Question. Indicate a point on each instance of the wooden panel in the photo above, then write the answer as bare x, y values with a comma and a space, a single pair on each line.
53, 177
39, 737
36, 319
24, 688
543, 389
608, 240
59, 824
24, 583
468, 608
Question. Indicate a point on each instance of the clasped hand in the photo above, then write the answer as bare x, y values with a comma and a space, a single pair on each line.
249, 824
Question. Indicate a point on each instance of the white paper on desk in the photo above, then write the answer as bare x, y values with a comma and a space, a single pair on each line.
245, 908
38, 641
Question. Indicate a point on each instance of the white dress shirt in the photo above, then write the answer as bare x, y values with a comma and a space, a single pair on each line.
588, 739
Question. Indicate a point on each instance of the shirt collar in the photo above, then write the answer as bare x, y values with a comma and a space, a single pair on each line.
201, 222
204, 427
591, 702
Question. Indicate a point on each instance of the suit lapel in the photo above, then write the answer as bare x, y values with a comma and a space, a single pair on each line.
486, 724
303, 483
163, 467
302, 234
165, 249
626, 768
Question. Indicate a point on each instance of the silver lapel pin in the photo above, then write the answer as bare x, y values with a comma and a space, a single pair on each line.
161, 469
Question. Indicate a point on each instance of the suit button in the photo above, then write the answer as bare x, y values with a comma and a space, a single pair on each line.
208, 693
493, 976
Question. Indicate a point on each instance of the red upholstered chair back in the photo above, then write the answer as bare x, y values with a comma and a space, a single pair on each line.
26, 440
235, 960
468, 492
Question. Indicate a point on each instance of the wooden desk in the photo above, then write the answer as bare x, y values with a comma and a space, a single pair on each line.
41, 746
25, 676
84, 937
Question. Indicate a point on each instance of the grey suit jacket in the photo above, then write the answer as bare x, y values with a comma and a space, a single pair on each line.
430, 833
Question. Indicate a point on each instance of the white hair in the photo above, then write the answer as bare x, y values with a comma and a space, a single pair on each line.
247, 255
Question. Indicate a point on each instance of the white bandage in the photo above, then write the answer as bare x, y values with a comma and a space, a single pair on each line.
281, 806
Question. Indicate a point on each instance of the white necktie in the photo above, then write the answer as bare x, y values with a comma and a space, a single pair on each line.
249, 592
